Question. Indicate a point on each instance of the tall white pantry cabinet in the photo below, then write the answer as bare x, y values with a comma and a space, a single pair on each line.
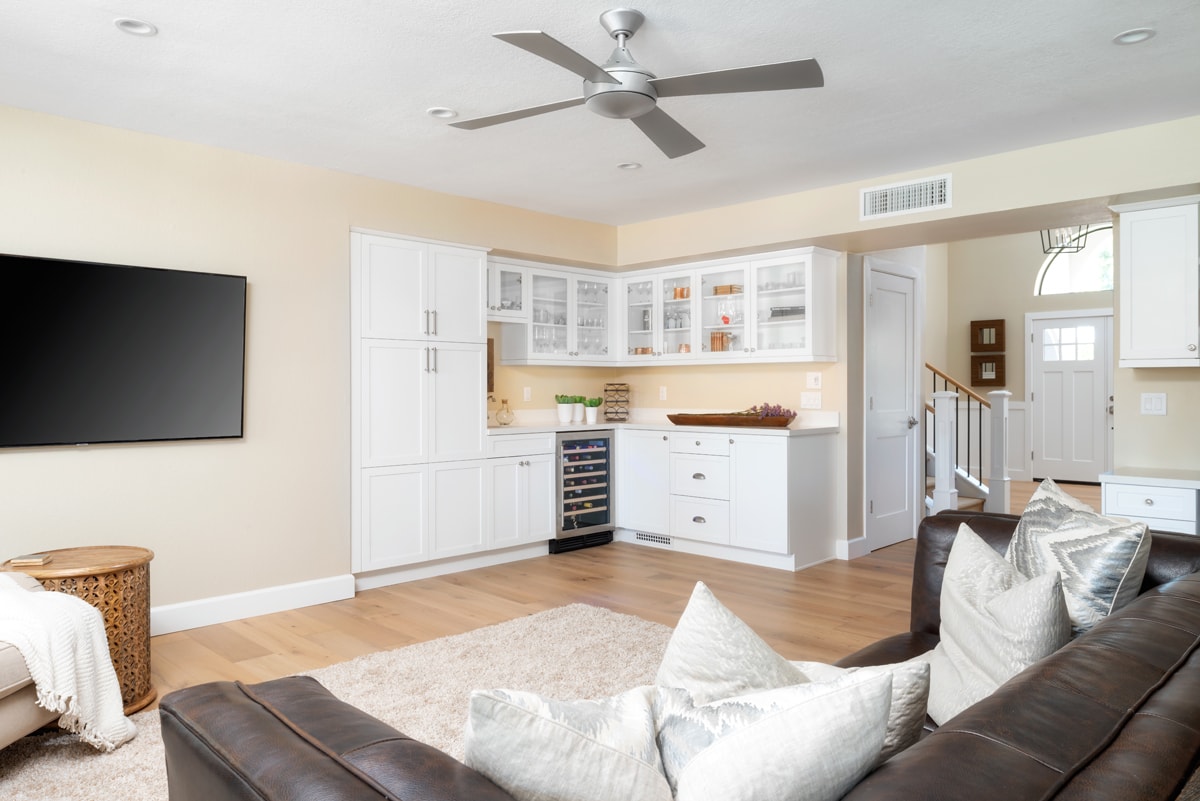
419, 387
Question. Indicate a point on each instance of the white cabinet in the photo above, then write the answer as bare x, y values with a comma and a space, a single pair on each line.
760, 484
643, 480
792, 298
421, 402
658, 318
1165, 500
419, 290
522, 499
418, 401
1160, 284
508, 292
569, 321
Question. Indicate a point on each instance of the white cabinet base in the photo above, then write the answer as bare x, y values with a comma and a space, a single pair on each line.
746, 556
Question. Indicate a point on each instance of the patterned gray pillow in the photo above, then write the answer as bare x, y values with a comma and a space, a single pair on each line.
1101, 560
809, 742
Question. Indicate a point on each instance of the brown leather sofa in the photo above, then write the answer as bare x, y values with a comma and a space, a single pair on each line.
1113, 715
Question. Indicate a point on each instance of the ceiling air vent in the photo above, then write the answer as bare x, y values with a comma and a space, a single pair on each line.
909, 197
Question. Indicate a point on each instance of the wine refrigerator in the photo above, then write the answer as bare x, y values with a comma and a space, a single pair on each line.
585, 486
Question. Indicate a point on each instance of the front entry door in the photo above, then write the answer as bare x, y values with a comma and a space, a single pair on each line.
1070, 379
892, 480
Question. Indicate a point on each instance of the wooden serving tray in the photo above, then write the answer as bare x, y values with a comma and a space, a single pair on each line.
747, 420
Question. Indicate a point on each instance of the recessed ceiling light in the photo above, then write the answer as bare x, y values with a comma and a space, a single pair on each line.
136, 27
629, 165
442, 113
1134, 36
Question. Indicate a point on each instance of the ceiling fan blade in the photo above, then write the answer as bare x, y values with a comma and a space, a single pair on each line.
671, 137
549, 48
802, 74
519, 114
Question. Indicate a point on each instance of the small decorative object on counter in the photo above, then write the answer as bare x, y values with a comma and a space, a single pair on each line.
616, 403
565, 404
591, 410
577, 409
505, 415
767, 415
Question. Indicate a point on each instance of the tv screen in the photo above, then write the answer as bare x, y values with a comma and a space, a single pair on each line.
93, 353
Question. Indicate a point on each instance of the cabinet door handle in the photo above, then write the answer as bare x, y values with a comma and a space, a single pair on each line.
698, 519
427, 322
434, 331
427, 360
664, 437
697, 442
434, 359
1149, 501
698, 476
1192, 347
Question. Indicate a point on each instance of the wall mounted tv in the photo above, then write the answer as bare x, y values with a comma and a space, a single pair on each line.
98, 353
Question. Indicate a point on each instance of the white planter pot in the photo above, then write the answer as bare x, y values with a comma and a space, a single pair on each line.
564, 412
577, 412
590, 413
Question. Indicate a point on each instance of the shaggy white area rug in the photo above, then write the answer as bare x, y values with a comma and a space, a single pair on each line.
575, 651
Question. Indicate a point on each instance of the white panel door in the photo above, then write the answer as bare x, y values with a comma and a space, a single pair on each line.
394, 401
393, 517
457, 519
457, 410
457, 294
1070, 371
891, 481
392, 287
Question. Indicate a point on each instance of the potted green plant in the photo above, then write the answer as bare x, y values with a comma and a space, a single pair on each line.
565, 404
591, 409
577, 408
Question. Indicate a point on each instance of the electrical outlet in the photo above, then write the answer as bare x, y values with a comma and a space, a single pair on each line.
528, 394
810, 400
812, 380
662, 393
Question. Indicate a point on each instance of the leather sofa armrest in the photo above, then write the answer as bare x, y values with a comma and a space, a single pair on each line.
888, 651
292, 739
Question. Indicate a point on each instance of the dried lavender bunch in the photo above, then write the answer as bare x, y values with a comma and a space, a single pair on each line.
771, 410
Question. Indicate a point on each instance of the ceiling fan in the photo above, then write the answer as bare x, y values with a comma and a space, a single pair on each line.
624, 89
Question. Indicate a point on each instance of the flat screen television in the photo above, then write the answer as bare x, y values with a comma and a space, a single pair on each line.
101, 353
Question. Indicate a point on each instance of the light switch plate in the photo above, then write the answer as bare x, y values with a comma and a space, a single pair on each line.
528, 393
812, 380
810, 400
1154, 403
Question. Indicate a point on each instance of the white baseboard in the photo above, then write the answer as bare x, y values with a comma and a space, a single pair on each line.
224, 608
398, 575
852, 549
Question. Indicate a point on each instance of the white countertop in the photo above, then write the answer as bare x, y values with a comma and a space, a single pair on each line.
807, 423
1153, 477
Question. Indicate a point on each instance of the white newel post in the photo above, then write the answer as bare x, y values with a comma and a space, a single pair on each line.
945, 415
998, 481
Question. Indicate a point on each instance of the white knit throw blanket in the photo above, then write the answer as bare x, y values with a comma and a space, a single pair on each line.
65, 648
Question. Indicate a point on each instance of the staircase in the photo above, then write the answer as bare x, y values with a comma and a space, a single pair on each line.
966, 447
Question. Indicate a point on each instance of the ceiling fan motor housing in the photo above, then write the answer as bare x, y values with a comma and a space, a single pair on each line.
632, 97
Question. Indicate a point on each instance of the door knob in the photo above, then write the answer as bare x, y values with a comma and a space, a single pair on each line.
912, 421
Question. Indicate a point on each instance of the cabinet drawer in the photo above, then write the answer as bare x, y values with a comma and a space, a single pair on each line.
520, 444
700, 476
1163, 503
712, 444
700, 519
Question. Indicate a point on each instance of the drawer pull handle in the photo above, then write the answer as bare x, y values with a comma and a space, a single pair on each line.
1149, 501
698, 519
698, 476
697, 442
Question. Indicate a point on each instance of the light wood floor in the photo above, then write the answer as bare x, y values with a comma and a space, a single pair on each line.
821, 613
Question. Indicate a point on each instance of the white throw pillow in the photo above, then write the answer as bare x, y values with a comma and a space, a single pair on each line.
995, 623
1101, 560
539, 749
910, 698
811, 742
714, 655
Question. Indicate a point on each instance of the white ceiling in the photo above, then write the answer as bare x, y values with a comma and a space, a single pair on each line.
345, 84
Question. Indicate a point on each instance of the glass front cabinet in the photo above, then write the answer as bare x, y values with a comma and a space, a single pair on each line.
658, 318
569, 320
508, 292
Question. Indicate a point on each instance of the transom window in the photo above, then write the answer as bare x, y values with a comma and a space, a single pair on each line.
1089, 270
1069, 344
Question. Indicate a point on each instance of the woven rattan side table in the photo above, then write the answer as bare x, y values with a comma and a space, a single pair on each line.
116, 580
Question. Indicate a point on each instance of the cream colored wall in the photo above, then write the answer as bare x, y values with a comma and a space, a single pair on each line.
991, 279
934, 336
272, 508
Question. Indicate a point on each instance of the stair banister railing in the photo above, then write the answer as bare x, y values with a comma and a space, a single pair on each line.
998, 498
945, 422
